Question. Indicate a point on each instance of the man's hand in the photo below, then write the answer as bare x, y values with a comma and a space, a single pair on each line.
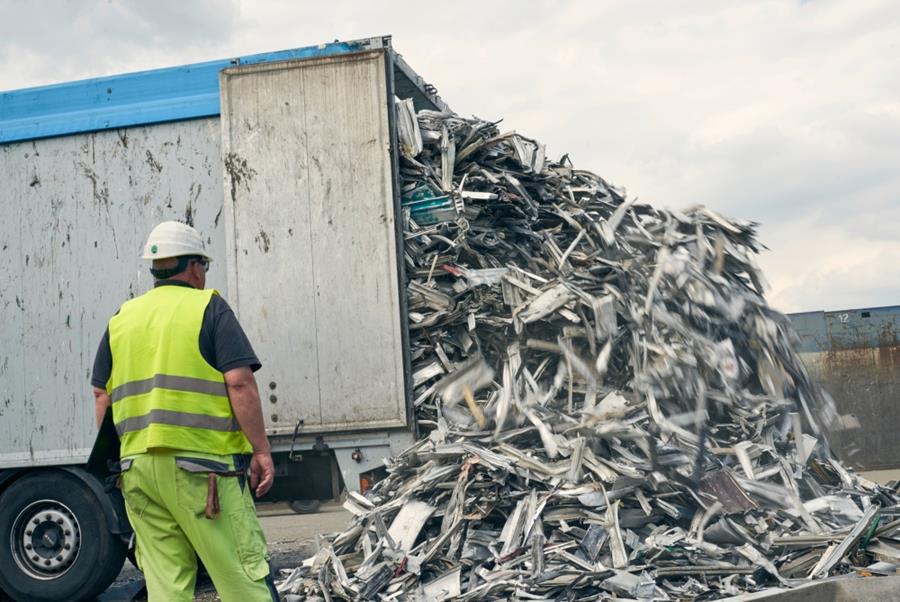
262, 472
244, 396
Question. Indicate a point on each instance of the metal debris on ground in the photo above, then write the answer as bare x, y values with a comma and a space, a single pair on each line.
607, 406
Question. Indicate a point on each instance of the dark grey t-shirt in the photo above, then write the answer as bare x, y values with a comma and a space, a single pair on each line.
223, 343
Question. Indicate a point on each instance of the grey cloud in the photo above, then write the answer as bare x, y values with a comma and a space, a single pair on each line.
864, 276
43, 42
782, 112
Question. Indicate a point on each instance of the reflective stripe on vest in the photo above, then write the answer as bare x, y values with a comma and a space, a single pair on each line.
164, 394
168, 381
215, 423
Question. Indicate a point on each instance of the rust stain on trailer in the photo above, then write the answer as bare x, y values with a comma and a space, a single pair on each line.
153, 162
854, 362
263, 241
238, 169
239, 173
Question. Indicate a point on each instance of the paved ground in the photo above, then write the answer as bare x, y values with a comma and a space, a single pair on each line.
291, 539
882, 476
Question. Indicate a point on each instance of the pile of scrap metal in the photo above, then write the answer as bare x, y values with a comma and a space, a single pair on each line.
608, 407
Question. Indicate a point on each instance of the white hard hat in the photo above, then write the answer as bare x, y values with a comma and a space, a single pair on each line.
174, 239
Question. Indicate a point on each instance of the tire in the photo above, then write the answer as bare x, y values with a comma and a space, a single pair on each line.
54, 540
305, 506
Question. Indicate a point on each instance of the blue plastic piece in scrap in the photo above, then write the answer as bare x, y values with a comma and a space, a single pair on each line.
428, 206
119, 101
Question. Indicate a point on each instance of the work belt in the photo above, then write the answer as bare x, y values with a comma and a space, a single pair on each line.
211, 468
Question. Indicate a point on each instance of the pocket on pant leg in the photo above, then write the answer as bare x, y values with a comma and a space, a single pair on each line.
249, 539
192, 482
237, 507
130, 482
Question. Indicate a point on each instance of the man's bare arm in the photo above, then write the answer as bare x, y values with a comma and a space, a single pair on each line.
244, 396
101, 402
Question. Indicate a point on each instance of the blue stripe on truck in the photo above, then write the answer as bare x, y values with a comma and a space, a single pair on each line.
119, 101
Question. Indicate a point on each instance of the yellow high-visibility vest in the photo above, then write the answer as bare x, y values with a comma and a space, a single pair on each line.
163, 392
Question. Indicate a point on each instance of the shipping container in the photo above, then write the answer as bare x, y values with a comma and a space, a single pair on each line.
855, 356
287, 163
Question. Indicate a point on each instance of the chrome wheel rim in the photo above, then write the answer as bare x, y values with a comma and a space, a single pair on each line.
45, 539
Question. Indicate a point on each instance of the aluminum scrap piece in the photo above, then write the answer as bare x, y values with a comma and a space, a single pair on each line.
444, 587
607, 404
409, 521
722, 485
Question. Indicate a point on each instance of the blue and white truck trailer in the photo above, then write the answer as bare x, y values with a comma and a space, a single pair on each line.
287, 163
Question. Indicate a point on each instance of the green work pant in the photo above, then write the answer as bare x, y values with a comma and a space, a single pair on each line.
165, 496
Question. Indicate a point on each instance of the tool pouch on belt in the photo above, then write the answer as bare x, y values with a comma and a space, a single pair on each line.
213, 470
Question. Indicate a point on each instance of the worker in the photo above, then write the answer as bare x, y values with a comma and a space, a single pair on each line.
177, 370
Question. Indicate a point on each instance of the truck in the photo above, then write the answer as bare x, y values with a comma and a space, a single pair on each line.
855, 356
287, 162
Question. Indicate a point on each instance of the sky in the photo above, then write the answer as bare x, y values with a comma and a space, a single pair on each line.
784, 113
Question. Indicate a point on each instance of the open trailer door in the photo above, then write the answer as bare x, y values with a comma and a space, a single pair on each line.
311, 238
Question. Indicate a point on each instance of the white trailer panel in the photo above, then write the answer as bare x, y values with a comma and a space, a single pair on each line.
311, 237
312, 252
76, 212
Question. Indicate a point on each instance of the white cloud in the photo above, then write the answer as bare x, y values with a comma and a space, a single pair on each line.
782, 112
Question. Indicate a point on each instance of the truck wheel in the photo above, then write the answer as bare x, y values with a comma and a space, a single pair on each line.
54, 540
305, 506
